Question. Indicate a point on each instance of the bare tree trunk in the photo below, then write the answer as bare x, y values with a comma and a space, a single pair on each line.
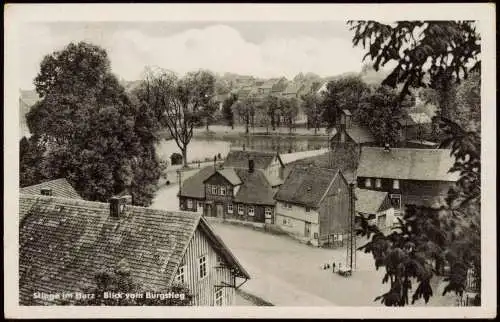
184, 157
206, 122
315, 128
247, 121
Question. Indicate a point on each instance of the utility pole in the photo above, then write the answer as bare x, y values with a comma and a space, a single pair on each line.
351, 241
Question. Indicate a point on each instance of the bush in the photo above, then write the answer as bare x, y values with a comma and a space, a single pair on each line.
176, 158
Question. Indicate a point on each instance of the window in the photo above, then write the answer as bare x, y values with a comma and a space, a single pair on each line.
179, 278
368, 182
214, 190
315, 235
378, 183
287, 205
396, 201
218, 297
203, 266
209, 188
308, 209
220, 262
395, 184
240, 209
190, 204
268, 212
251, 211
222, 190
284, 221
230, 208
200, 205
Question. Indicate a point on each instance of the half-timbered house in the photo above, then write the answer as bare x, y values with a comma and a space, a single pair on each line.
64, 243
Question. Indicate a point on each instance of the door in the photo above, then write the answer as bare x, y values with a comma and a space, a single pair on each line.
220, 211
381, 221
307, 229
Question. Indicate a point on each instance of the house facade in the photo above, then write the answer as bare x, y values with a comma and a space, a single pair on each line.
410, 176
349, 132
242, 189
375, 206
160, 249
313, 204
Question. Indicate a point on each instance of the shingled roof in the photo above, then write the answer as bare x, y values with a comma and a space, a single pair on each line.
239, 159
306, 186
255, 188
371, 201
60, 188
407, 164
360, 134
193, 186
63, 243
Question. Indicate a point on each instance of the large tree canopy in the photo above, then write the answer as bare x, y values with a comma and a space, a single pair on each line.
437, 54
178, 104
90, 130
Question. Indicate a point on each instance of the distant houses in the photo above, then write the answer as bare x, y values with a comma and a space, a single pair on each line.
313, 205
65, 243
348, 132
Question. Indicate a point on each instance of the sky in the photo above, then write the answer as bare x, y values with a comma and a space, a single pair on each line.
262, 49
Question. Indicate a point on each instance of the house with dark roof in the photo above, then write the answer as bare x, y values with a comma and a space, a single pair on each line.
65, 243
313, 204
243, 188
349, 132
57, 188
410, 176
376, 207
416, 126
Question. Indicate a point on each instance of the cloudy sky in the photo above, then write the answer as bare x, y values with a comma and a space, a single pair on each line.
264, 49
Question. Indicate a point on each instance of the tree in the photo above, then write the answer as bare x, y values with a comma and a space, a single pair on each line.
426, 52
91, 132
345, 93
467, 111
30, 154
290, 109
380, 112
119, 280
435, 54
178, 103
268, 111
227, 109
311, 106
245, 109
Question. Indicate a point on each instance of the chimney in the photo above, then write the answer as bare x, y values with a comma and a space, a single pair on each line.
46, 192
117, 205
387, 148
250, 165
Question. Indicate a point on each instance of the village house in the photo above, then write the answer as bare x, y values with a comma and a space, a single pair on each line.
313, 204
279, 86
243, 188
415, 126
375, 206
410, 176
56, 188
348, 132
64, 243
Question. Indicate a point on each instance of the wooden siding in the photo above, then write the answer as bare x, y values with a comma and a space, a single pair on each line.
334, 209
203, 289
218, 180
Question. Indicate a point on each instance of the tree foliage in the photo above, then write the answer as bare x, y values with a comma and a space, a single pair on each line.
436, 54
345, 93
178, 104
227, 109
426, 52
289, 108
311, 105
245, 110
91, 132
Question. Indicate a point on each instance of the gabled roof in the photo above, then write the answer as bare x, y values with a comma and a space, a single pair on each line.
360, 134
292, 88
65, 242
407, 164
255, 188
306, 186
193, 186
343, 158
60, 188
229, 174
370, 201
239, 159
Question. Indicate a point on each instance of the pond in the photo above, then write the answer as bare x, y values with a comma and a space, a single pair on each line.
207, 148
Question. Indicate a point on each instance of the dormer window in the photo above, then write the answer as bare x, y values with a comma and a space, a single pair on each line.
368, 182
